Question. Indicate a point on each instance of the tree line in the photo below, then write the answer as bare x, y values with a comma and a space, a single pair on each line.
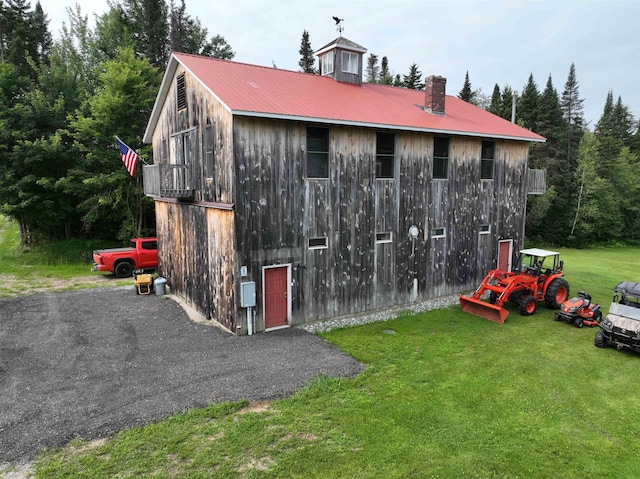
593, 177
63, 101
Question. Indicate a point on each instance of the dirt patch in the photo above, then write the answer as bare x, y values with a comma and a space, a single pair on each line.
13, 287
256, 406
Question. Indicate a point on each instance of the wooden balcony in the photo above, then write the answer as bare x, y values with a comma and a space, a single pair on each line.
168, 181
537, 182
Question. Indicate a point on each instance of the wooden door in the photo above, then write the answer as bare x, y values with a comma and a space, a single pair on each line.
504, 254
276, 300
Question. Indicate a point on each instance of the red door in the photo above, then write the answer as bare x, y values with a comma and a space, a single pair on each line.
504, 255
276, 302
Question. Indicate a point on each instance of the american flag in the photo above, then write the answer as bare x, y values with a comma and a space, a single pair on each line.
129, 157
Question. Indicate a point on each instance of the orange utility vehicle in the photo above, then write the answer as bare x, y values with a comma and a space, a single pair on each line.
536, 277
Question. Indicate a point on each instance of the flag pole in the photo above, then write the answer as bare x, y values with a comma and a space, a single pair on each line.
141, 159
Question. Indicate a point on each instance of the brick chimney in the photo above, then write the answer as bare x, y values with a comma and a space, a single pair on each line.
435, 89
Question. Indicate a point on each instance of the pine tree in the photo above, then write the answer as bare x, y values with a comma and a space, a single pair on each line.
187, 35
41, 34
386, 78
496, 101
413, 79
527, 111
307, 60
506, 103
466, 93
572, 111
554, 228
20, 37
372, 69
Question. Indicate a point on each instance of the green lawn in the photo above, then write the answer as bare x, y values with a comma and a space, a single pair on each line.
61, 259
449, 395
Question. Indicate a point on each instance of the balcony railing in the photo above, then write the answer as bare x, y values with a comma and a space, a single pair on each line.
537, 182
167, 180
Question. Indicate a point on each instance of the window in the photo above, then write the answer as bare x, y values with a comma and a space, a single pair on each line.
350, 62
440, 158
318, 243
385, 147
486, 160
181, 92
437, 233
317, 152
209, 151
151, 245
384, 237
326, 63
485, 229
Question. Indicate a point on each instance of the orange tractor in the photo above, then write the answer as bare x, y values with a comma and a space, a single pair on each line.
536, 277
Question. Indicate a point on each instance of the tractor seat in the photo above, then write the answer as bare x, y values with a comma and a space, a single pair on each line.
586, 296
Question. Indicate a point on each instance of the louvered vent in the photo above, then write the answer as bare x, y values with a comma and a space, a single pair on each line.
181, 92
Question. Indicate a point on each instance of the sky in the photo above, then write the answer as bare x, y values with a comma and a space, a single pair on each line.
497, 42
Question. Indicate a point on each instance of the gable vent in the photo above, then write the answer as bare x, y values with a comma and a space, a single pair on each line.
181, 92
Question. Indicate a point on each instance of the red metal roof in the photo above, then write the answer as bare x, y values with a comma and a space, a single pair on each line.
270, 92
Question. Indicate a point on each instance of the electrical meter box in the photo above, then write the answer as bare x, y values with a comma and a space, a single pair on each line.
248, 294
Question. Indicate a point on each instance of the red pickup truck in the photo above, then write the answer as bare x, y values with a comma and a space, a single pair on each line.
142, 253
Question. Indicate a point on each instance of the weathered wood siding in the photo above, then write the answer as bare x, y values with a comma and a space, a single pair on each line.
202, 110
257, 209
196, 254
278, 210
196, 238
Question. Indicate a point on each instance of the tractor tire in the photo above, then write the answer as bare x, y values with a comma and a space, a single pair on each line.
600, 340
598, 316
556, 317
493, 297
124, 269
527, 305
578, 323
517, 295
557, 293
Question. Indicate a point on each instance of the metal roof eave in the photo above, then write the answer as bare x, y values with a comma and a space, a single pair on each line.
333, 121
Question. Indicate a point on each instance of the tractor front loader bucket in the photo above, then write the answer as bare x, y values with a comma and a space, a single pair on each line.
488, 311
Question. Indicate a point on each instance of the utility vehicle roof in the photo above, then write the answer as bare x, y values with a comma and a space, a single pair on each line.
628, 288
538, 252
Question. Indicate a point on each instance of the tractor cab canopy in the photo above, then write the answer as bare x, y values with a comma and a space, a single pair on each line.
532, 260
627, 293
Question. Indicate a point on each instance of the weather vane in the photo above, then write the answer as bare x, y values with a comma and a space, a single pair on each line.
339, 27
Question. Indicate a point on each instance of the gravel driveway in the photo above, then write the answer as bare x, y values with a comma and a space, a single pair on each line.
92, 362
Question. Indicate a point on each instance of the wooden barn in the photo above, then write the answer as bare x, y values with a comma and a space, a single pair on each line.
283, 197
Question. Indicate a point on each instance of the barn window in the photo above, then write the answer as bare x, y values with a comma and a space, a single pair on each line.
326, 63
350, 62
318, 243
485, 229
440, 158
209, 151
181, 92
437, 233
384, 237
385, 147
317, 152
486, 160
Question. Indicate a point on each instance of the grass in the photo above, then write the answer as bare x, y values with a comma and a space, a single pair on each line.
447, 395
61, 259
53, 266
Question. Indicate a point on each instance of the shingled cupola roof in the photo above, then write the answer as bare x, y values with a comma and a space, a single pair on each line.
341, 60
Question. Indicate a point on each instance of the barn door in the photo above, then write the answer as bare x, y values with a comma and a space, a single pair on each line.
505, 252
276, 297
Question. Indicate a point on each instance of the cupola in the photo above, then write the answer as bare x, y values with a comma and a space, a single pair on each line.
342, 60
